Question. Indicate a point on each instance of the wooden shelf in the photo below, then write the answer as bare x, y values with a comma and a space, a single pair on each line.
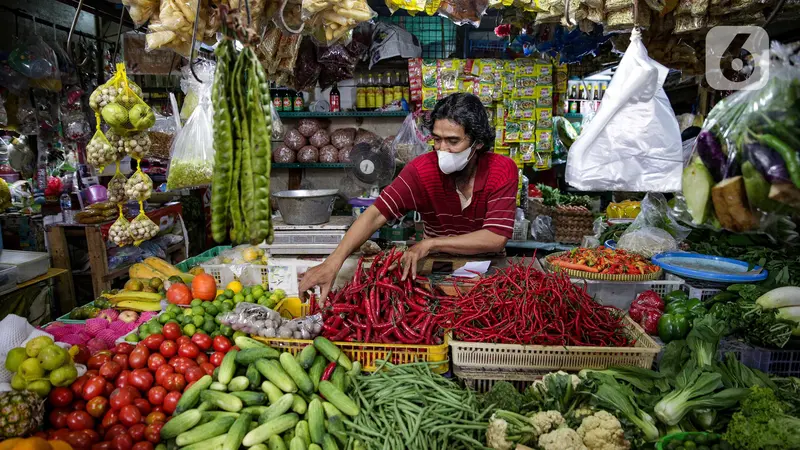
290, 115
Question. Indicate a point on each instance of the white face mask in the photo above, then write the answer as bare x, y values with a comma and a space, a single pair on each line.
453, 162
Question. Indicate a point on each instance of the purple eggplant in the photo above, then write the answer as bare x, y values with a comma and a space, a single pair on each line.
710, 152
768, 162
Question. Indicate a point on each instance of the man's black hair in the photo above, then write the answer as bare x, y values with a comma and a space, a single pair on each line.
467, 111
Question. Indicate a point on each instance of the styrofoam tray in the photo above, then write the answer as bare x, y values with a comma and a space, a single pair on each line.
29, 264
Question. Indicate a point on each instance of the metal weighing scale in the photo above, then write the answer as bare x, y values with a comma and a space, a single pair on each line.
307, 239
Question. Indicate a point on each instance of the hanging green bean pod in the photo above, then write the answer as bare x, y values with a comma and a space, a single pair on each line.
223, 144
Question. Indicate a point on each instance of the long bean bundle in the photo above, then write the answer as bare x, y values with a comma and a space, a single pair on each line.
408, 406
521, 305
242, 129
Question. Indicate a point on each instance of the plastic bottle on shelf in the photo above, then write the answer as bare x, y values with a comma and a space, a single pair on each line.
277, 100
398, 88
406, 88
370, 93
335, 99
573, 93
361, 94
378, 91
288, 99
298, 102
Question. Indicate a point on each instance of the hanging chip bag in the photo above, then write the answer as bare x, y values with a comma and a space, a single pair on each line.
127, 112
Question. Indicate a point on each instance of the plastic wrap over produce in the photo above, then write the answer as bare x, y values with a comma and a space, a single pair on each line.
261, 321
745, 170
633, 143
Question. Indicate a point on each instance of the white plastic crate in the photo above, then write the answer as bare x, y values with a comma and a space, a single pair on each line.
622, 293
698, 288
542, 359
247, 274
222, 274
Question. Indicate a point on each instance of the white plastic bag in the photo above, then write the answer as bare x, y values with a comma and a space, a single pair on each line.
633, 143
192, 155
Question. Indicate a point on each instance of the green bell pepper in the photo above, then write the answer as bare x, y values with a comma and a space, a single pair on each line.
673, 327
674, 296
691, 308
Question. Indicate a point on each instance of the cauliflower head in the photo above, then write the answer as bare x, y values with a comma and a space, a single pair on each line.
561, 439
545, 421
496, 434
602, 431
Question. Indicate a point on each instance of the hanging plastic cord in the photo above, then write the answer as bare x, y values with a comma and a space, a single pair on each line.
72, 27
119, 33
194, 41
774, 13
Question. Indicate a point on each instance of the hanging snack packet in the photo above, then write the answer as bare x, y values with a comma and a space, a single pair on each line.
119, 233
100, 152
142, 228
116, 187
139, 186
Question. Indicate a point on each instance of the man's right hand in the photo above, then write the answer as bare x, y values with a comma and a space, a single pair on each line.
323, 276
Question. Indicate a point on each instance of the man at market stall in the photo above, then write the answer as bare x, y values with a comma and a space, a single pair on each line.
464, 193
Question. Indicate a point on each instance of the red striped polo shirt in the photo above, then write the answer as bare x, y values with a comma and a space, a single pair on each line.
422, 187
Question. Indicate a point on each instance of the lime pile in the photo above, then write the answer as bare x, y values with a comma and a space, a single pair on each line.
252, 294
202, 317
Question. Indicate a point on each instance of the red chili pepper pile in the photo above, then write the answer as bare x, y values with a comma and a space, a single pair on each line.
377, 307
521, 305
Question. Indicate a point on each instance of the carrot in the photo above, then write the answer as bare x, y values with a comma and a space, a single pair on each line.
573, 266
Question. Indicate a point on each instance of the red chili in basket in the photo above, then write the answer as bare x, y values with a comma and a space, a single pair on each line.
520, 305
375, 306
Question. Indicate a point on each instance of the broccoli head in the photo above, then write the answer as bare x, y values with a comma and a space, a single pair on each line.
503, 395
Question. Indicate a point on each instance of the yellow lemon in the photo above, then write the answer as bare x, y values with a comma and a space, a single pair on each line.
235, 286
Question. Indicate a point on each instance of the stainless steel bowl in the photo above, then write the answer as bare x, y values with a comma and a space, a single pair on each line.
306, 207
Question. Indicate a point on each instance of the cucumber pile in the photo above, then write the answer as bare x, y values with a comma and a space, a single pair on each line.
263, 399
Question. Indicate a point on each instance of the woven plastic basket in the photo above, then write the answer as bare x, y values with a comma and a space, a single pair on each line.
598, 276
543, 359
368, 353
572, 224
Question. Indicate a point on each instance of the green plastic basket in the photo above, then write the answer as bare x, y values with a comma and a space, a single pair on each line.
65, 318
663, 442
188, 263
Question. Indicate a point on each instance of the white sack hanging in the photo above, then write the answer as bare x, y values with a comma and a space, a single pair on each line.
633, 143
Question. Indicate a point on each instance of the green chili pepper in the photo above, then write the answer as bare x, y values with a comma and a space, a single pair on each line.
788, 154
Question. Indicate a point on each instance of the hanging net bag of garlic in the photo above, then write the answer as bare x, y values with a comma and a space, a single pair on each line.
119, 233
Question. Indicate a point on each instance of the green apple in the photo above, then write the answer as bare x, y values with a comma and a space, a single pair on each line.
41, 387
30, 369
52, 357
64, 375
18, 383
35, 345
15, 357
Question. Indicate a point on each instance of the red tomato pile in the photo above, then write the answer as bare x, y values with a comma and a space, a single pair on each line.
128, 393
